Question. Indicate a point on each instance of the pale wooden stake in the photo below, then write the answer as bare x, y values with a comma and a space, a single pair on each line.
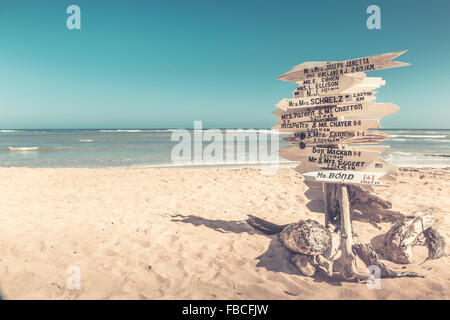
325, 205
346, 225
348, 258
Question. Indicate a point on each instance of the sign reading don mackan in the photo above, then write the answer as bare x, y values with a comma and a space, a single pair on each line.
310, 70
348, 158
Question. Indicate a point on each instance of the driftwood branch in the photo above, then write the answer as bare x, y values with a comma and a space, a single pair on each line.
398, 241
360, 197
264, 226
348, 260
369, 257
367, 206
435, 243
305, 264
332, 205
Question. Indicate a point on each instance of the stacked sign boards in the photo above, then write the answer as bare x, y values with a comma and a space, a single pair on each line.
333, 119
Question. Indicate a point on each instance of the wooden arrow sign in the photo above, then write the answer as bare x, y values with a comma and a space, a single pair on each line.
340, 83
346, 177
327, 85
344, 158
377, 165
329, 112
369, 83
310, 70
381, 165
338, 137
313, 128
336, 99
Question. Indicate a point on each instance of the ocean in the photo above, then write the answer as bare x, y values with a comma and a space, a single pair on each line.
152, 148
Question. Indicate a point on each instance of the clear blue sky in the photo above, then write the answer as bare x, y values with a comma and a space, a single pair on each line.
157, 64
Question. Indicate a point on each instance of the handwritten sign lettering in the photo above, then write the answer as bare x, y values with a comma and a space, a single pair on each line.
342, 98
313, 70
314, 128
372, 164
347, 177
330, 157
334, 111
335, 84
338, 137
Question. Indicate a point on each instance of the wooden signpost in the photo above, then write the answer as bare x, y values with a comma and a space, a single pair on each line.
334, 99
332, 117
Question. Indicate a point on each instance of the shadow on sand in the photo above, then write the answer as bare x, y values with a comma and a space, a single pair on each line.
275, 259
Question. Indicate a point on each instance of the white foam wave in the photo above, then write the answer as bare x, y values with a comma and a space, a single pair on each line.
23, 149
406, 155
256, 131
6, 131
416, 136
121, 130
403, 153
438, 140
160, 130
86, 140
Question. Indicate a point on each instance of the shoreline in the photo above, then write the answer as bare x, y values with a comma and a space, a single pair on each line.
225, 166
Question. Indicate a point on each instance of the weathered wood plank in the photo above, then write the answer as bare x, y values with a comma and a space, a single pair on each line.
332, 111
363, 96
435, 243
264, 226
309, 70
318, 128
366, 253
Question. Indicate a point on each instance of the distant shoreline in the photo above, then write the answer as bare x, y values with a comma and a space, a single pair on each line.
142, 148
236, 128
404, 167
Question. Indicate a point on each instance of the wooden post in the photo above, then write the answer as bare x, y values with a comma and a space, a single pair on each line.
337, 213
346, 225
325, 205
348, 258
331, 204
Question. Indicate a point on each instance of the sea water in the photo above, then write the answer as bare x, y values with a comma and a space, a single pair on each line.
153, 147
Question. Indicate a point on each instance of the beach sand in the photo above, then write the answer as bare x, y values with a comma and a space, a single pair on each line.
179, 234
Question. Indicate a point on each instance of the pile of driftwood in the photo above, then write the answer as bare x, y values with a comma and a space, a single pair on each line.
331, 248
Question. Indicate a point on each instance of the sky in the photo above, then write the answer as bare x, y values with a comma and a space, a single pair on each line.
164, 64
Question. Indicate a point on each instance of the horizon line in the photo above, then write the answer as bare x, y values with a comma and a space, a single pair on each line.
248, 128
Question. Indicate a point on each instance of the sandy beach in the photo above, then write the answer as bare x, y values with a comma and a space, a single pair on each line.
179, 234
